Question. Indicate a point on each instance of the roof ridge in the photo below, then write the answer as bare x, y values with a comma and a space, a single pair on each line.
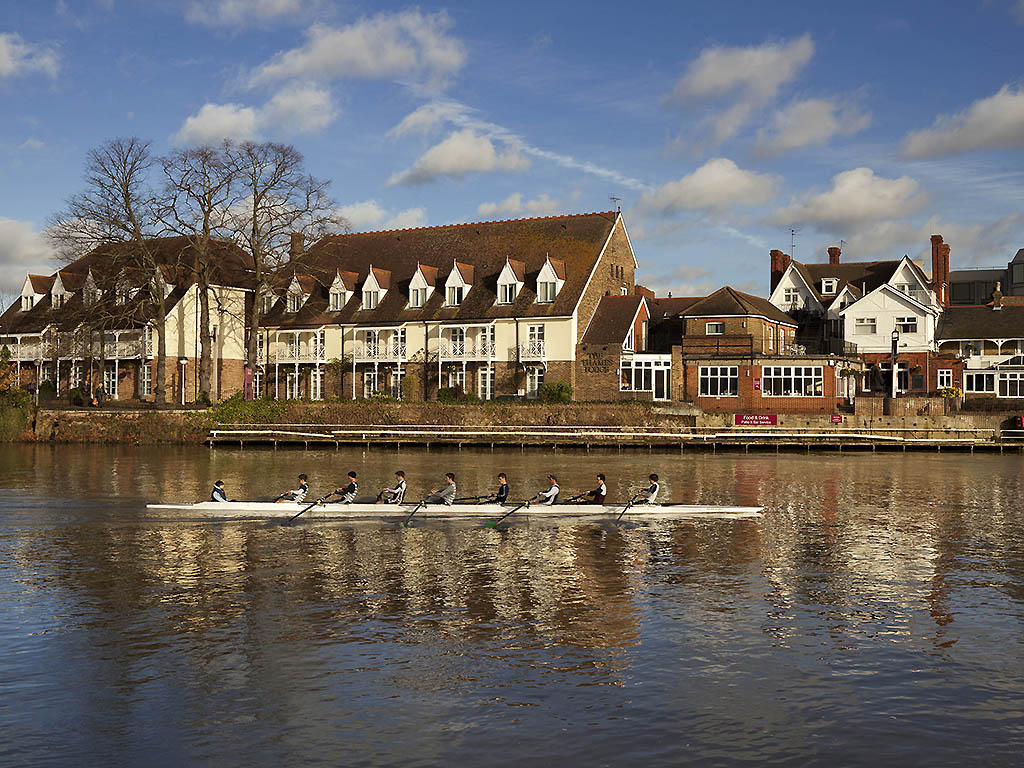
474, 223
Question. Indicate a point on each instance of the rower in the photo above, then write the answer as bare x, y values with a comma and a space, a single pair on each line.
600, 492
650, 493
393, 495
501, 495
219, 493
549, 496
445, 495
348, 493
298, 494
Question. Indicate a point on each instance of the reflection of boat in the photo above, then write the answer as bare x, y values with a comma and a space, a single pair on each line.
251, 509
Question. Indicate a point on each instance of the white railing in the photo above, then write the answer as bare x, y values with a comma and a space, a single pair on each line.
299, 354
122, 349
532, 350
24, 352
467, 350
393, 351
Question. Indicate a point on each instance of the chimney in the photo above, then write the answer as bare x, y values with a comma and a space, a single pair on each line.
780, 263
940, 269
833, 255
997, 298
297, 246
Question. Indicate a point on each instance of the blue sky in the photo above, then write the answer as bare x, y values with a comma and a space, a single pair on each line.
721, 126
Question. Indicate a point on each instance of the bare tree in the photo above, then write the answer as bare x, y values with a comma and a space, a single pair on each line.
118, 206
198, 192
277, 201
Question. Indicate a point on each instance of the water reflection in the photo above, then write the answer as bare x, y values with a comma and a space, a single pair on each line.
880, 599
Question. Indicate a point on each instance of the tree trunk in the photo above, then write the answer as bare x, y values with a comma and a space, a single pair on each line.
205, 345
159, 383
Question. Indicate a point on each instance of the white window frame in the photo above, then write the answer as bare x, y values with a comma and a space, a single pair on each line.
945, 377
338, 300
417, 298
971, 348
627, 343
790, 295
268, 300
1010, 384
27, 302
257, 385
534, 378
292, 389
371, 299
507, 293
547, 292
980, 382
486, 379
792, 381
145, 380
829, 286
110, 371
57, 300
294, 302
455, 295
712, 329
906, 324
862, 324
316, 384
718, 381
77, 375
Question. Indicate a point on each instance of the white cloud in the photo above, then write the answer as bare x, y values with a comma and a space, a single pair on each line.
994, 122
425, 118
810, 122
370, 215
462, 153
717, 185
749, 76
408, 43
22, 250
31, 144
235, 13
18, 57
292, 110
514, 205
856, 197
683, 280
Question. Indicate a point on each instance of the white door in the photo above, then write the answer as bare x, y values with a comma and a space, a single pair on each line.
291, 385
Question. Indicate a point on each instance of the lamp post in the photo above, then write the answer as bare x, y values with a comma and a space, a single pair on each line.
182, 363
895, 354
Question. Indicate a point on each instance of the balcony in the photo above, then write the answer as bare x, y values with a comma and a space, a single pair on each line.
379, 352
24, 352
532, 351
299, 354
124, 349
460, 351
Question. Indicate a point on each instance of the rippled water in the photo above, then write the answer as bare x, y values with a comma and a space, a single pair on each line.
874, 616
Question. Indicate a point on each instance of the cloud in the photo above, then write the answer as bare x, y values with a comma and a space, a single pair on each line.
995, 122
31, 144
236, 13
683, 280
543, 205
425, 118
18, 57
810, 122
462, 153
856, 197
292, 110
748, 76
388, 45
370, 215
22, 250
715, 186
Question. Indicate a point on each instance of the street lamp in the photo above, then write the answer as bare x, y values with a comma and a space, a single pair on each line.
895, 354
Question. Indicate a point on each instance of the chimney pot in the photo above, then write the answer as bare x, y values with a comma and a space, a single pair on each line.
997, 298
833, 255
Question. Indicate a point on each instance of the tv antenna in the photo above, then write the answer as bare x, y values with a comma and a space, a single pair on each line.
792, 243
616, 200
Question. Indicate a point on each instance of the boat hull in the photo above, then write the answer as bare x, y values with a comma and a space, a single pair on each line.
335, 511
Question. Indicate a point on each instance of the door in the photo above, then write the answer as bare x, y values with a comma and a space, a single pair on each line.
662, 383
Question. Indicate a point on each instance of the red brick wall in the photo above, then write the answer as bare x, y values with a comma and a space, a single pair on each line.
750, 400
614, 271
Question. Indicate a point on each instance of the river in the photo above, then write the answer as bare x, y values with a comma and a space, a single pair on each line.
873, 616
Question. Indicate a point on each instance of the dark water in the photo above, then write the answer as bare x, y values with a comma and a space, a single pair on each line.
874, 616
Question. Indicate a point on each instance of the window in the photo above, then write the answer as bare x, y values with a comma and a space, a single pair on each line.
370, 383
316, 384
371, 299
534, 378
945, 377
646, 375
27, 302
771, 338
906, 324
261, 342
372, 344
257, 385
291, 386
507, 293
980, 382
122, 294
457, 379
1011, 384
969, 348
643, 335
719, 380
546, 292
485, 383
294, 302
455, 295
76, 375
864, 326
624, 291
829, 286
338, 300
458, 336
960, 293
417, 297
714, 329
110, 380
267, 303
1017, 273
791, 296
320, 346
145, 380
792, 381
58, 300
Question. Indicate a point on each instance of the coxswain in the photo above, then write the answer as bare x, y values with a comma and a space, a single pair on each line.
396, 494
348, 493
445, 495
219, 493
650, 493
298, 494
600, 493
549, 496
501, 495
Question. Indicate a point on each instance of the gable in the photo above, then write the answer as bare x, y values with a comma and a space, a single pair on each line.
885, 298
793, 278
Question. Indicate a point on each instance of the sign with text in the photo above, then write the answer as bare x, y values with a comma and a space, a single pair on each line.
756, 419
837, 418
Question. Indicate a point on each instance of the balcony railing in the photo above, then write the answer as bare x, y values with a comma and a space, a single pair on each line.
369, 352
129, 349
299, 354
24, 353
467, 350
532, 350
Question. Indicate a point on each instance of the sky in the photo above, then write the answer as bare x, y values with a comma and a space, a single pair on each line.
720, 127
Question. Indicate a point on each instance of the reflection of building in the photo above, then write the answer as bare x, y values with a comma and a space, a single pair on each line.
92, 323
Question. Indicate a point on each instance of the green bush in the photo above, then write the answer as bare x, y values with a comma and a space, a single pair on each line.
47, 390
76, 396
237, 410
554, 392
448, 395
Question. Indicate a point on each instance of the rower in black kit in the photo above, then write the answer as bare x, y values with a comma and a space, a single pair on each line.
348, 493
600, 493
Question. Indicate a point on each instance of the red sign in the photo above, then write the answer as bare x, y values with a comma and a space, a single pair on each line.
757, 384
837, 418
756, 419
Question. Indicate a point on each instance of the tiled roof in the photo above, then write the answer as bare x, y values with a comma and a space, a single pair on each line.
671, 306
41, 283
383, 277
559, 267
612, 320
981, 323
518, 269
727, 302
865, 276
577, 240
429, 274
465, 271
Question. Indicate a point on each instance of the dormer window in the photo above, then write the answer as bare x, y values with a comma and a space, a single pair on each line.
417, 297
57, 300
458, 284
829, 285
546, 292
455, 294
375, 287
122, 293
550, 280
294, 302
371, 299
338, 300
27, 302
267, 303
507, 293
510, 281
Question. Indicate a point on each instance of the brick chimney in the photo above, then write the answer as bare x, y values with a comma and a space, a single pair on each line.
297, 246
780, 263
997, 298
833, 255
940, 270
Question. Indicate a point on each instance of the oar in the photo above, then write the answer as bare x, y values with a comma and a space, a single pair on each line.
321, 500
494, 523
576, 497
628, 505
423, 501
471, 498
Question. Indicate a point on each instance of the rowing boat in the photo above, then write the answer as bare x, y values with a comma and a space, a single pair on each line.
362, 511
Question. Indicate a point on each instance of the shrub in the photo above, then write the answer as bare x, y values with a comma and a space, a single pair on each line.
554, 392
237, 410
448, 395
412, 388
76, 396
47, 390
